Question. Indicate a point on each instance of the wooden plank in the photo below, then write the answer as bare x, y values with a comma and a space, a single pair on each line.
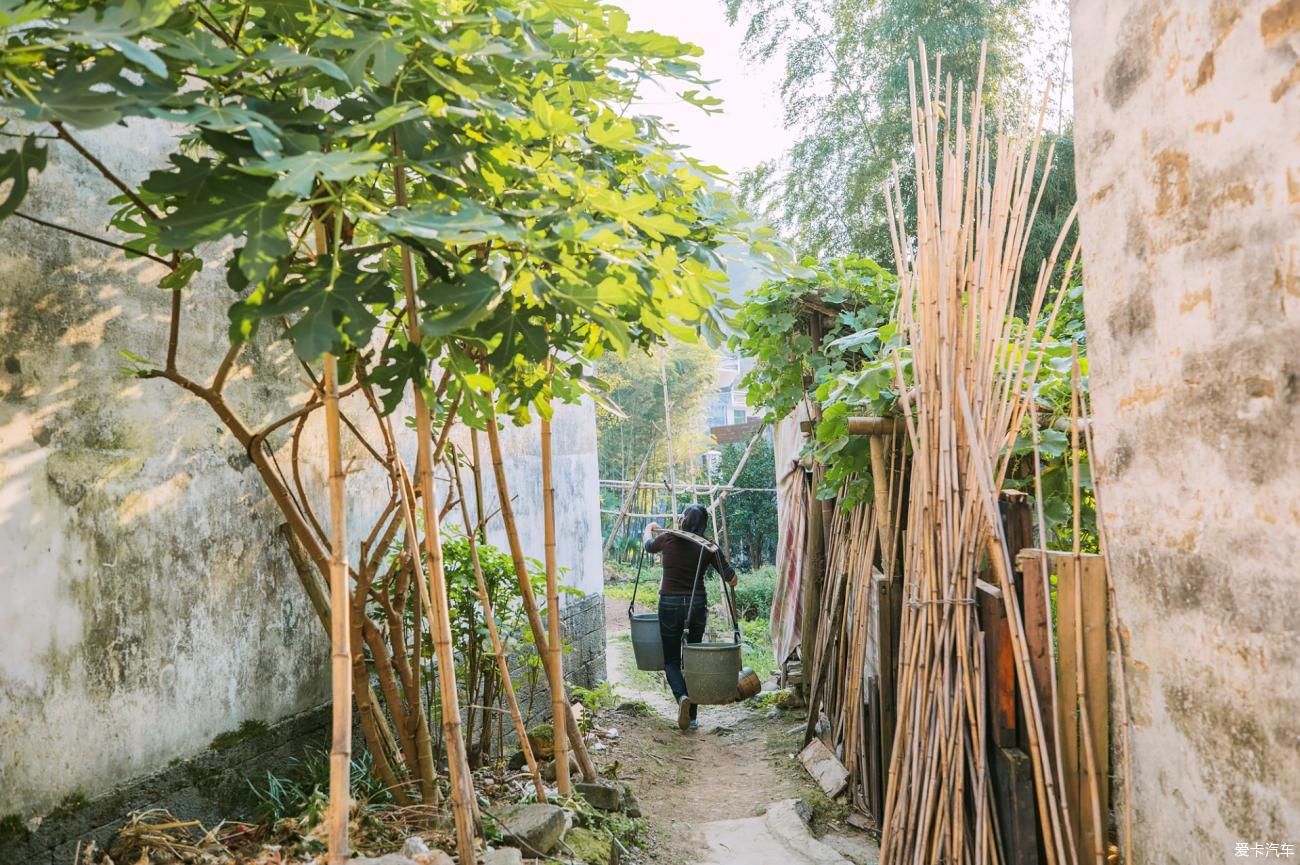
885, 630
999, 665
826, 770
1096, 690
1038, 641
875, 775
1067, 621
1013, 783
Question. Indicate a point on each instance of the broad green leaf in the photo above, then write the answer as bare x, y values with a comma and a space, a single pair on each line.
378, 52
297, 174
85, 98
284, 57
227, 203
470, 222
15, 166
459, 305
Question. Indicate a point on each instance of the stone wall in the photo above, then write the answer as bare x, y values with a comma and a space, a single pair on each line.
149, 602
1188, 143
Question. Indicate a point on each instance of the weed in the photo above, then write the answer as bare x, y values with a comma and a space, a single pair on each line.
824, 808
12, 827
231, 738
303, 793
69, 805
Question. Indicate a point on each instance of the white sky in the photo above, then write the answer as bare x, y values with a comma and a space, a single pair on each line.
749, 130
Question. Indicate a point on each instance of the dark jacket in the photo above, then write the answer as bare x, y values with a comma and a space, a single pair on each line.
684, 564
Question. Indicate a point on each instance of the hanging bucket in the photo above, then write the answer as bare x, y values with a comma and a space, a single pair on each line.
711, 671
647, 645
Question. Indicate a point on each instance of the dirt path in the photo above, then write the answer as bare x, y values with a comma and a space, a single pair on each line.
735, 766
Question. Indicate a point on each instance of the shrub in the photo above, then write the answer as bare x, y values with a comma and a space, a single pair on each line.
754, 592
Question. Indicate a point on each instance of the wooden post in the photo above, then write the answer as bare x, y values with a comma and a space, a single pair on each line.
999, 666
340, 649
554, 670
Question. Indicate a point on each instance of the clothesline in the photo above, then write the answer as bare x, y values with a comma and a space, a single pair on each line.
688, 488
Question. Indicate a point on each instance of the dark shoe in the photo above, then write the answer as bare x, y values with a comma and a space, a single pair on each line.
684, 713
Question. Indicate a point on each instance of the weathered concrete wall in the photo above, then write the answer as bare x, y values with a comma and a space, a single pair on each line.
149, 603
1188, 130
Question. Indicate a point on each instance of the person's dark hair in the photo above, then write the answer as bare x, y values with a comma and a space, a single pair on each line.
695, 519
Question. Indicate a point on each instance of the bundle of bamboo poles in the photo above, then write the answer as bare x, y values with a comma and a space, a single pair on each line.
974, 204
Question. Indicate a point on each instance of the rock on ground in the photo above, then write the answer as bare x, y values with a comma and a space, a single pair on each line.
503, 856
535, 827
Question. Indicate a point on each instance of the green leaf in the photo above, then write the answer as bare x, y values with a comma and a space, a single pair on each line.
181, 276
82, 97
460, 305
298, 173
228, 203
381, 54
470, 222
15, 166
283, 57
554, 120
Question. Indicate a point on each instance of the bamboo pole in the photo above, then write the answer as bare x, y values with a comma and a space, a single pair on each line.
340, 654
627, 503
1098, 828
540, 638
555, 670
462, 787
1121, 662
669, 443
503, 665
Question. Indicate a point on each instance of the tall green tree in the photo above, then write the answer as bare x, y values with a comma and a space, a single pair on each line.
635, 388
846, 90
751, 516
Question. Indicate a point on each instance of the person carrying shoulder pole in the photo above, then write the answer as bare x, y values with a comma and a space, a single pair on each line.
683, 597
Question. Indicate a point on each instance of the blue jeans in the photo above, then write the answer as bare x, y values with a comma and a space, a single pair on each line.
678, 614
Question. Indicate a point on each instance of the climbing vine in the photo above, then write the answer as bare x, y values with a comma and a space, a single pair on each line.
828, 335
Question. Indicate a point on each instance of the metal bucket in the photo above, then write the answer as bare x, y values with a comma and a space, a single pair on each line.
749, 684
647, 645
711, 671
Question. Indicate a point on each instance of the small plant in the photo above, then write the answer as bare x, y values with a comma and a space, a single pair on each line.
598, 699
303, 793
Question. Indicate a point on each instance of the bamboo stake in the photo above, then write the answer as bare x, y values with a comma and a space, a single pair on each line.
340, 654
1090, 762
540, 639
462, 788
503, 666
555, 670
668, 431
1126, 838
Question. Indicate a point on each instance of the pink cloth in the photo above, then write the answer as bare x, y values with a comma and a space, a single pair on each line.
792, 505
